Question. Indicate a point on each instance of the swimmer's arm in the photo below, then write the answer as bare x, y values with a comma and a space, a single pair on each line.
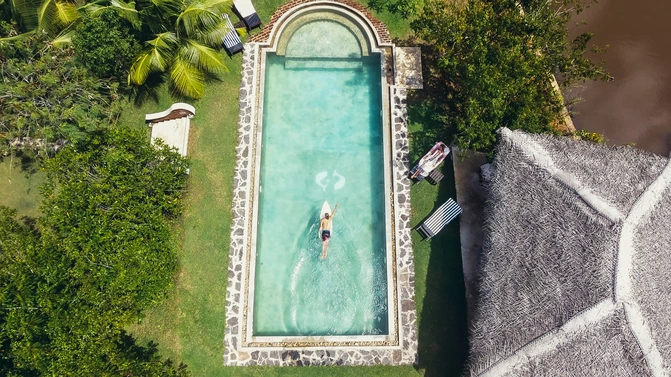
319, 232
334, 210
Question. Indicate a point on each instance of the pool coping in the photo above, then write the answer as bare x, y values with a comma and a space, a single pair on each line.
398, 348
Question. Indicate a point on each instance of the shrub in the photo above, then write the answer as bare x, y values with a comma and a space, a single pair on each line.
495, 62
47, 98
105, 45
102, 252
594, 137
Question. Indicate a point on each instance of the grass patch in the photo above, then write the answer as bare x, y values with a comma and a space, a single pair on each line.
19, 185
439, 281
189, 325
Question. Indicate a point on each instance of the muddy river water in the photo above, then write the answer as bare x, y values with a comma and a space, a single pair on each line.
636, 106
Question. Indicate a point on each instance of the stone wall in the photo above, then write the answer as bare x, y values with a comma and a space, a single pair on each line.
402, 349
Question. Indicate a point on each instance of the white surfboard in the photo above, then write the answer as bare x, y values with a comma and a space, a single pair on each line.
325, 209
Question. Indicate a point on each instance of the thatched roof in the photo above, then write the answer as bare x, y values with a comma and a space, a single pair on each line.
575, 275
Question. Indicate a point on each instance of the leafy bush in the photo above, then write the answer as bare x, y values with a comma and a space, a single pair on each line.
105, 45
46, 96
495, 60
186, 45
405, 8
5, 29
102, 253
594, 137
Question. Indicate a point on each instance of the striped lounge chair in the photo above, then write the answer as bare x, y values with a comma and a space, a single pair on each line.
441, 217
247, 12
232, 40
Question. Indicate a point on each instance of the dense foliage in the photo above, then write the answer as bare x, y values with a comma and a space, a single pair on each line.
405, 8
101, 254
594, 137
104, 45
182, 39
185, 46
45, 95
496, 59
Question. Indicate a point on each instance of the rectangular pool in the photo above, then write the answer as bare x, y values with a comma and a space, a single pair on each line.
322, 139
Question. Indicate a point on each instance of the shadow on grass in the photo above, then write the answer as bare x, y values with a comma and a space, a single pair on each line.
443, 344
149, 91
26, 161
443, 331
429, 108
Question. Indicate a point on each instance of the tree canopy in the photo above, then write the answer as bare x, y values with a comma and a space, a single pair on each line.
101, 253
105, 45
47, 96
185, 46
182, 39
495, 59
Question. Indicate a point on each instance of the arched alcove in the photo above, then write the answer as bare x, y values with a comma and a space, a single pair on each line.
323, 34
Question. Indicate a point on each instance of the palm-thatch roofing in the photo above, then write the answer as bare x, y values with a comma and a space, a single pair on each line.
575, 275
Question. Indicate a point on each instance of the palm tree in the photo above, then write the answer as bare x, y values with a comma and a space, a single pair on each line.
186, 36
185, 45
58, 18
22, 12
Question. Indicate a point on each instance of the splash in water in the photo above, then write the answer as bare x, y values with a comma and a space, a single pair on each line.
344, 294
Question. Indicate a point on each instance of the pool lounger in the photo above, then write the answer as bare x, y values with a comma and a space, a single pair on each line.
248, 13
441, 217
232, 40
430, 161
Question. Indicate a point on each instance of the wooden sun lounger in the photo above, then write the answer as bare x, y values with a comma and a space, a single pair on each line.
232, 40
438, 219
435, 176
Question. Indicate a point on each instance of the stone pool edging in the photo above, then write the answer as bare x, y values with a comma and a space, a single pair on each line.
264, 35
401, 351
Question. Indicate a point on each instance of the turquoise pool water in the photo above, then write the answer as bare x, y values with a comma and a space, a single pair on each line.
322, 140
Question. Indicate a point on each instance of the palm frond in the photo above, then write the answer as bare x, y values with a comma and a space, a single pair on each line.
140, 69
93, 9
63, 39
167, 6
126, 11
155, 58
164, 41
66, 12
201, 17
211, 37
220, 5
54, 16
203, 57
187, 79
24, 11
159, 59
18, 37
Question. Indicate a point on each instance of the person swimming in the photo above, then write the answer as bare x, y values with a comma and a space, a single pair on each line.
325, 230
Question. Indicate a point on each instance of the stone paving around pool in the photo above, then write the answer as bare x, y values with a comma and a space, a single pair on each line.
402, 348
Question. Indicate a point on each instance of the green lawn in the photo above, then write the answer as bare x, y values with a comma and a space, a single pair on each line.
19, 187
189, 325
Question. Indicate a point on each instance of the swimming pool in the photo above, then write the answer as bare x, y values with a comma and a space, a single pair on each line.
322, 140
320, 119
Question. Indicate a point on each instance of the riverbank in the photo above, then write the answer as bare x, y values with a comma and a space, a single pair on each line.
635, 108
